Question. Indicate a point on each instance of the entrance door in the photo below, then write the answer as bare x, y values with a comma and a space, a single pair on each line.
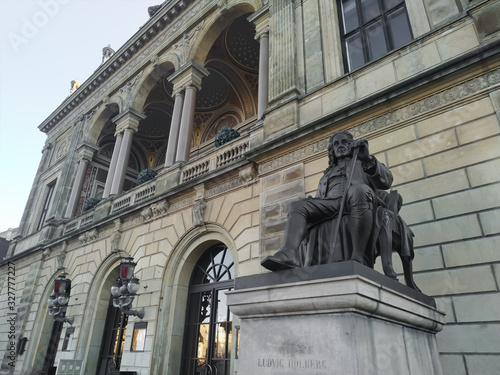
48, 365
113, 338
208, 334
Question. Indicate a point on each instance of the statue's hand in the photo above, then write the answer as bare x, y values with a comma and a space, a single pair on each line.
363, 150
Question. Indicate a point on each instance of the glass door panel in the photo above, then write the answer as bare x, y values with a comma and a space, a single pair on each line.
208, 335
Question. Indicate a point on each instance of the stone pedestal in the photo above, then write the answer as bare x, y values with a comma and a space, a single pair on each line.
340, 318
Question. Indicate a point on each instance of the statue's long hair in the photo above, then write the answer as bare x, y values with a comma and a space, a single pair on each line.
332, 160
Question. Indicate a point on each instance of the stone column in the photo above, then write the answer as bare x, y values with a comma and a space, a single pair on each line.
112, 165
187, 78
186, 131
282, 44
128, 122
261, 22
173, 137
85, 153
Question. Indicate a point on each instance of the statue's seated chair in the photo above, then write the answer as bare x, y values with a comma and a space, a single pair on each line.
389, 233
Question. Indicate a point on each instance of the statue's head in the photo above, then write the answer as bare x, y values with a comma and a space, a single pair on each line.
340, 145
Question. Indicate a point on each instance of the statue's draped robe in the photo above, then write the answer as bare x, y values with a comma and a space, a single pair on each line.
317, 247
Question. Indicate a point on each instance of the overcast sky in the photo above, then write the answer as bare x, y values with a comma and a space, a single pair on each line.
45, 44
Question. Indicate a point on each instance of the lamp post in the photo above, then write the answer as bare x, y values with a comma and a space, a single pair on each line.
125, 289
58, 302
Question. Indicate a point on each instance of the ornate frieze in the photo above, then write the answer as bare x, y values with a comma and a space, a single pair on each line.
224, 187
428, 104
182, 203
89, 236
408, 112
248, 173
185, 44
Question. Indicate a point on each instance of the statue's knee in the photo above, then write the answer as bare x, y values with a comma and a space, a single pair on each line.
295, 207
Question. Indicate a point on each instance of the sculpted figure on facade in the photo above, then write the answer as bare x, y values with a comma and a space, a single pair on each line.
146, 213
199, 213
159, 208
343, 221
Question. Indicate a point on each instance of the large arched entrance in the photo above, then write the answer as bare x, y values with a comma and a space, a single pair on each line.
208, 332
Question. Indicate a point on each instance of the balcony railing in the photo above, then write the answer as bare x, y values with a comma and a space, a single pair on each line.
227, 154
135, 197
198, 167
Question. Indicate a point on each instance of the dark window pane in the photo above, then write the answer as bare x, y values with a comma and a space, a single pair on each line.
376, 40
350, 14
399, 27
371, 9
354, 49
389, 4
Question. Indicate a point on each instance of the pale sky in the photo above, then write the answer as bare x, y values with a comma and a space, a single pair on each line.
44, 45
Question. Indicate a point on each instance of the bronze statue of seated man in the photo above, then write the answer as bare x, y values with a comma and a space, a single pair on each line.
348, 187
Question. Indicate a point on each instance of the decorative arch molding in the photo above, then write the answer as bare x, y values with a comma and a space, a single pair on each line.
239, 86
175, 284
104, 113
150, 76
36, 351
101, 283
216, 25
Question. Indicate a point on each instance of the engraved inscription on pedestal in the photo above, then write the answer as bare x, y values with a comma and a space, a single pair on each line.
296, 345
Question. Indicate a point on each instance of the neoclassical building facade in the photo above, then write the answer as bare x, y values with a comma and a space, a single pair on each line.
420, 79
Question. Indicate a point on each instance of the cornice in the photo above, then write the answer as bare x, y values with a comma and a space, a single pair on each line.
160, 21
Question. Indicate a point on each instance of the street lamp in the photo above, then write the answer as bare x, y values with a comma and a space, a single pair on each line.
58, 302
125, 289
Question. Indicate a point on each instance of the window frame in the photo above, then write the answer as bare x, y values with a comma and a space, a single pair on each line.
363, 29
138, 326
47, 203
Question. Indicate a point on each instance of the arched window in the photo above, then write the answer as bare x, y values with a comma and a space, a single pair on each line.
208, 332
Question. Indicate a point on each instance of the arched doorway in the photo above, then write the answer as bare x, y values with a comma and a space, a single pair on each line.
113, 331
208, 332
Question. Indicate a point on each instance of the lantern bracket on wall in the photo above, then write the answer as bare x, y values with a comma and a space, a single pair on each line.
58, 302
125, 289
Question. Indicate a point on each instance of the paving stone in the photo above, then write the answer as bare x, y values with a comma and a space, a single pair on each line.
483, 364
479, 129
456, 116
424, 147
481, 174
467, 201
375, 80
417, 61
453, 364
490, 221
456, 281
470, 338
448, 48
417, 212
476, 251
434, 186
464, 156
467, 312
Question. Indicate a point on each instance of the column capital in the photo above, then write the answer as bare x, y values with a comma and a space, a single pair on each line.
85, 151
129, 119
260, 19
190, 74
